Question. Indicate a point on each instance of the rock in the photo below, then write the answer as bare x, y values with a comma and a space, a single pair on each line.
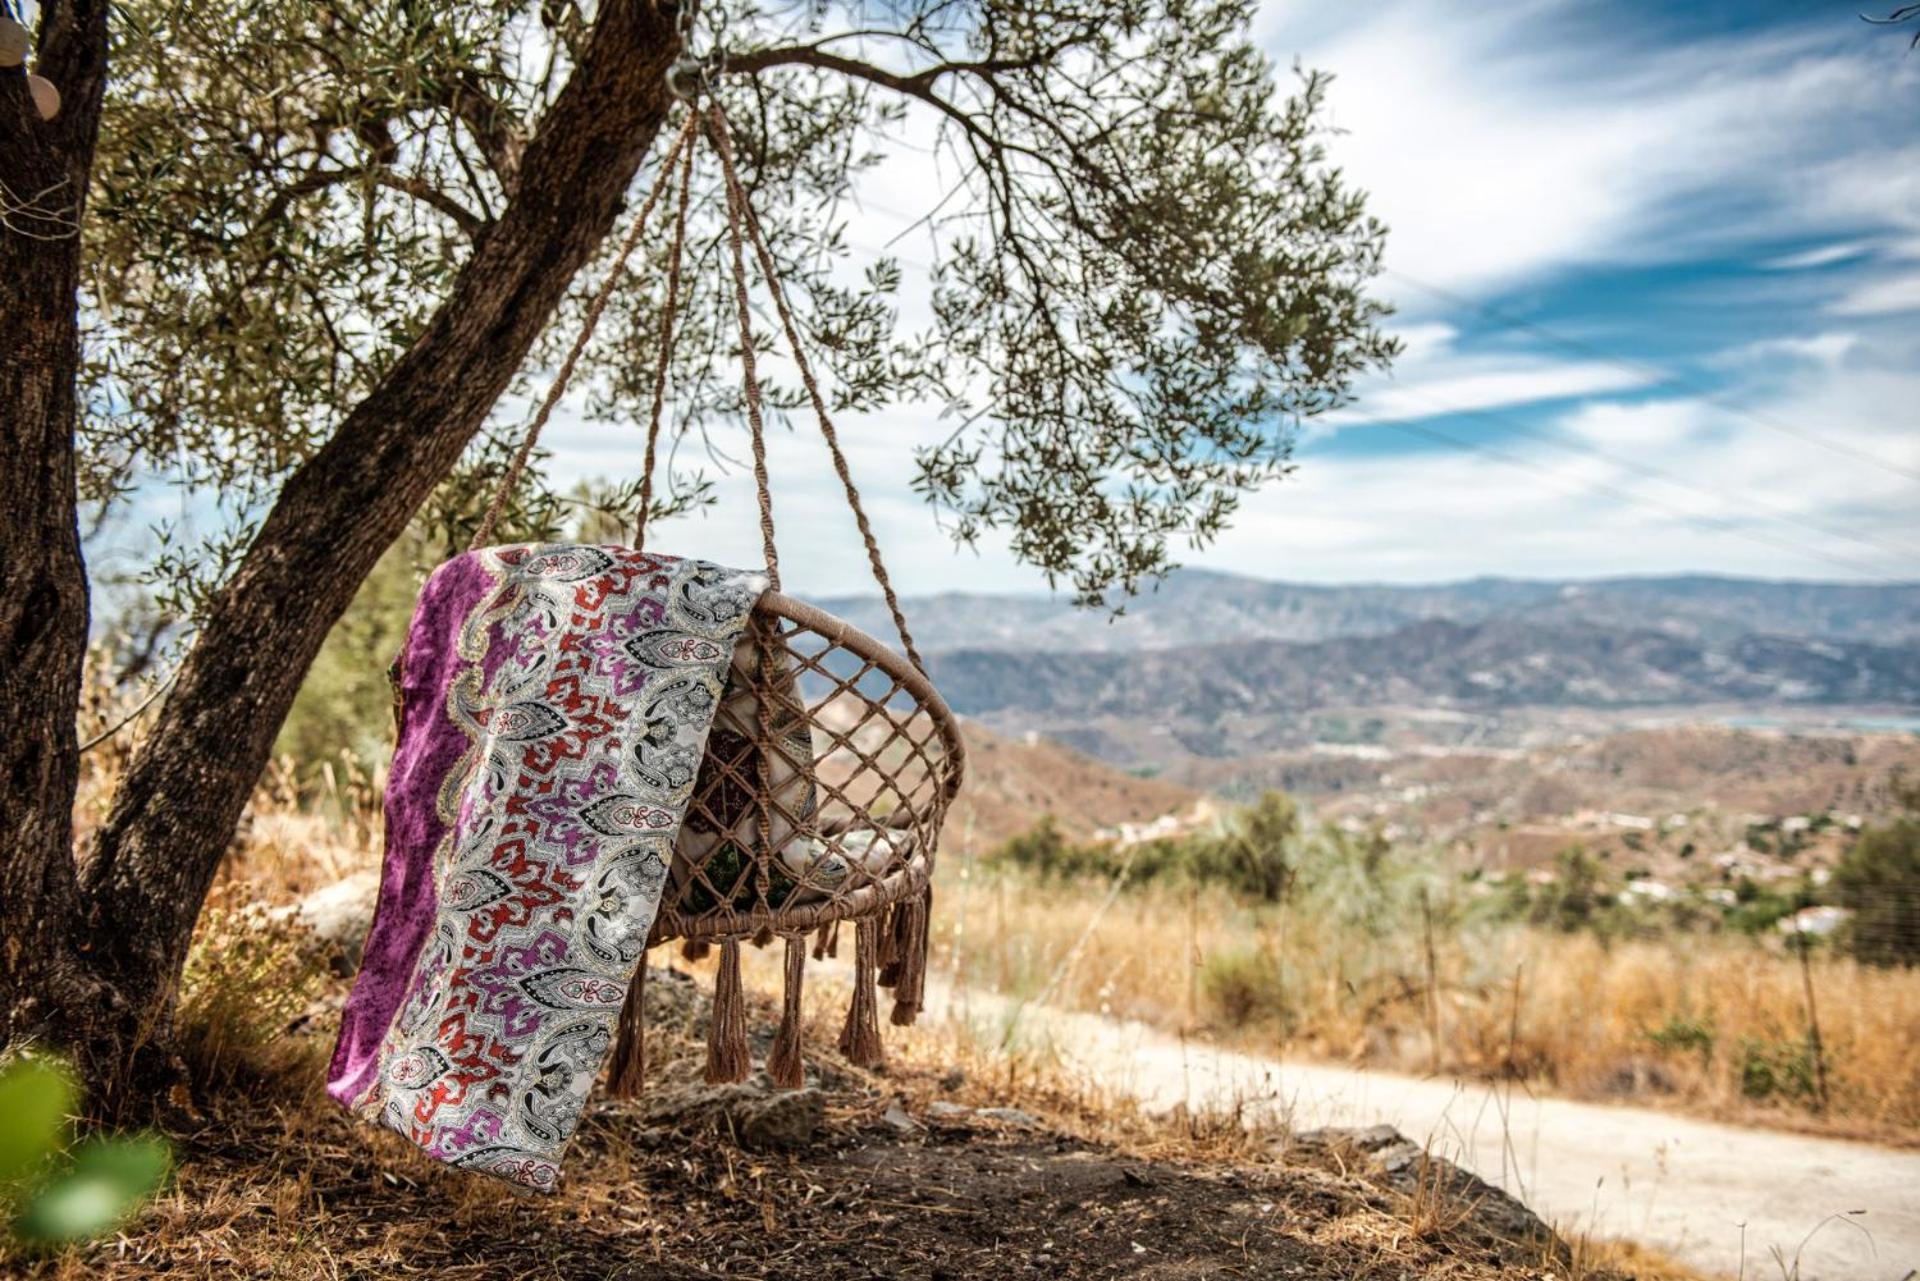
756, 1114
1009, 1116
1370, 1138
339, 914
1409, 1169
896, 1117
942, 1110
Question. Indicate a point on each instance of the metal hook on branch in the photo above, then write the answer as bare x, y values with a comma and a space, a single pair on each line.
691, 76
688, 79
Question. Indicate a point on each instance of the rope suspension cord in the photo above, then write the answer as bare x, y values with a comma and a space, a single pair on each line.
665, 359
737, 196
736, 199
681, 142
763, 629
742, 227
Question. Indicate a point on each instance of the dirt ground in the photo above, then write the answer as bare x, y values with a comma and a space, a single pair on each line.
916, 1172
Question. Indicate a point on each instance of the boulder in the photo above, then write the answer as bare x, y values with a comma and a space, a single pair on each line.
754, 1112
1390, 1157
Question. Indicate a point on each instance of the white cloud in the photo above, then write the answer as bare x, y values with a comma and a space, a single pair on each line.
1435, 377
1824, 256
1501, 141
1829, 348
1637, 428
1885, 297
1743, 498
1751, 501
1527, 382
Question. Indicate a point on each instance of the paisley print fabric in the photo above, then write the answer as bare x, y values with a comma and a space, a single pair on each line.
555, 701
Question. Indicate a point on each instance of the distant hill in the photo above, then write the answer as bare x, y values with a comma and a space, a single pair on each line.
1202, 607
1013, 783
1245, 697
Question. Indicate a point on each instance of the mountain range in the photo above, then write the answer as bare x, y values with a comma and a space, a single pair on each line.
1214, 666
1195, 606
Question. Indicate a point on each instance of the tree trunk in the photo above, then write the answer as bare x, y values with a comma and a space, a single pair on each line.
177, 809
43, 585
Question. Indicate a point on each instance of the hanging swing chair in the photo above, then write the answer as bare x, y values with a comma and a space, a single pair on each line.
831, 760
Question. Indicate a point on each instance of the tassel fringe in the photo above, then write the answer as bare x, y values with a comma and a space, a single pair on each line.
727, 1055
860, 1038
630, 1051
786, 1065
912, 929
888, 957
695, 949
827, 942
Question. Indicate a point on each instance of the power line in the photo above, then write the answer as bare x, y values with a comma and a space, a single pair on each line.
1651, 472
1628, 496
1661, 377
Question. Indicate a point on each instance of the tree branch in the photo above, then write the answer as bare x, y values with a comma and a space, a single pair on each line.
918, 85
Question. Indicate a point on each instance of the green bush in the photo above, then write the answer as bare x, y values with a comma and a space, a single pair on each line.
1242, 988
1261, 854
1778, 1070
1047, 852
346, 701
1576, 897
1685, 1034
1879, 880
1254, 854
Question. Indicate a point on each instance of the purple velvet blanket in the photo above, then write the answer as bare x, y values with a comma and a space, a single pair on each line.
555, 703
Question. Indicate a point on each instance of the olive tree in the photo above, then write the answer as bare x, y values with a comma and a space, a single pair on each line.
295, 255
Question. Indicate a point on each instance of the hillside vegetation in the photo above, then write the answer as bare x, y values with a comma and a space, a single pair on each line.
1294, 937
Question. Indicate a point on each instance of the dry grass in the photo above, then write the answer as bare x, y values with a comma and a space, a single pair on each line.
1711, 1025
274, 1181
1714, 1025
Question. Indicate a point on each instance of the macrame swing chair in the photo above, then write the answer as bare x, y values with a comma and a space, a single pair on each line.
832, 759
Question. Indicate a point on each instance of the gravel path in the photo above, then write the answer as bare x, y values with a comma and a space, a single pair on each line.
1723, 1198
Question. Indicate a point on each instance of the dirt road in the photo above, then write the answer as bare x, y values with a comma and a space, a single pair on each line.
1723, 1198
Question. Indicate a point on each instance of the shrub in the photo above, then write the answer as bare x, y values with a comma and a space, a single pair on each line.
1262, 854
1254, 852
1879, 880
1243, 987
1778, 1070
1047, 852
1684, 1033
249, 978
1577, 894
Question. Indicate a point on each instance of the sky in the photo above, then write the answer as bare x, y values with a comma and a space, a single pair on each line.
1657, 269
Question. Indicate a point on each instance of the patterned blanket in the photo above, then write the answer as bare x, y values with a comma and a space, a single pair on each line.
555, 701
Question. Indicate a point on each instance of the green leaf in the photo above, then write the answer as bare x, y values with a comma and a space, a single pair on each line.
36, 1096
109, 1180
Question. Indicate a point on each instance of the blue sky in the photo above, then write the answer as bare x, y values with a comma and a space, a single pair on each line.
1640, 254
1657, 268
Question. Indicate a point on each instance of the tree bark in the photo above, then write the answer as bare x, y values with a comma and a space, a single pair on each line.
183, 795
45, 166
